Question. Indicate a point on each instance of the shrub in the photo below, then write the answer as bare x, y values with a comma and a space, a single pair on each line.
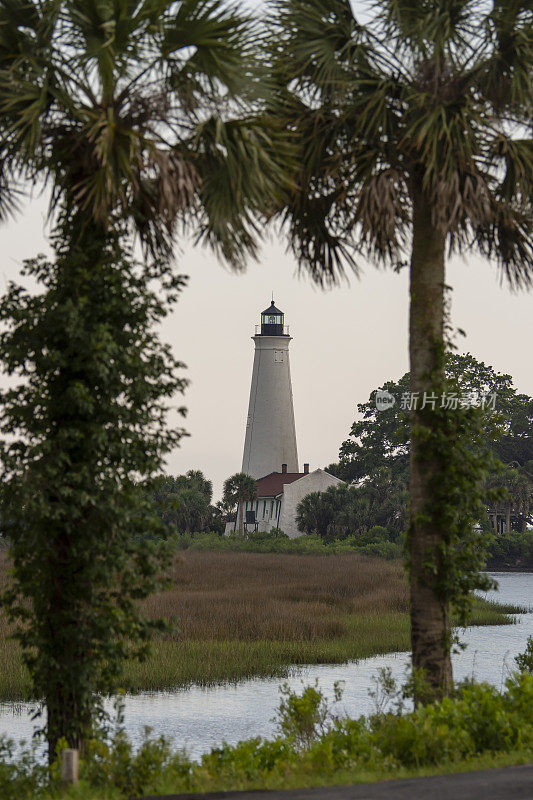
387, 550
114, 764
314, 746
21, 775
375, 542
524, 661
303, 718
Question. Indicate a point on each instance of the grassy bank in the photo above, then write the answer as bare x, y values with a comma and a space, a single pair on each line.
236, 615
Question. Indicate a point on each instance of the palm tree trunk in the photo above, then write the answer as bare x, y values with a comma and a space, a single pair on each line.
241, 518
430, 617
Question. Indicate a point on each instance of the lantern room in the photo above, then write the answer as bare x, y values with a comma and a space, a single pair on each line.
272, 322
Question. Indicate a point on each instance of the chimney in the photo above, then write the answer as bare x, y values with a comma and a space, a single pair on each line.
284, 468
306, 469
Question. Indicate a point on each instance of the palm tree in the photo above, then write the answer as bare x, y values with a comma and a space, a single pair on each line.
516, 493
237, 490
135, 111
415, 142
318, 512
134, 114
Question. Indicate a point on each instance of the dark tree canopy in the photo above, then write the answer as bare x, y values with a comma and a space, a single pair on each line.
345, 511
183, 503
381, 438
379, 442
84, 423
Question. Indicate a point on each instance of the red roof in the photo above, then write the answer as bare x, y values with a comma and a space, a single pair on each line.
272, 485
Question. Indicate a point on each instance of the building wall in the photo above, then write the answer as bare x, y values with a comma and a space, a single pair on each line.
270, 439
266, 512
293, 493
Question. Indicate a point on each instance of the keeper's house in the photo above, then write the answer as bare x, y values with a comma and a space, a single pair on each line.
278, 495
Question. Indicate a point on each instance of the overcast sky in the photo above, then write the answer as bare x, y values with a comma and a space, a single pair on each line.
346, 341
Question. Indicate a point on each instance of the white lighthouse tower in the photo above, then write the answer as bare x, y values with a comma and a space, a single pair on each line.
270, 440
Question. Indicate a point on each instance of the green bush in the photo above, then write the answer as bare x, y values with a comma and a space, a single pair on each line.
115, 764
374, 543
479, 720
314, 747
304, 718
524, 661
21, 775
387, 550
511, 550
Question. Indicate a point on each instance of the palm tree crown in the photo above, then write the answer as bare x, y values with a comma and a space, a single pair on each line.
128, 107
435, 97
237, 490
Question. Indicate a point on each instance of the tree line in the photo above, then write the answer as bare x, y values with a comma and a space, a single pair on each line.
375, 458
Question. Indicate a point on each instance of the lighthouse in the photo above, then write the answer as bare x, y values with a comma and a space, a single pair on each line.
270, 440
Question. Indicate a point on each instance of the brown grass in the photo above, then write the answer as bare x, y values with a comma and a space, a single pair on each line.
251, 596
236, 615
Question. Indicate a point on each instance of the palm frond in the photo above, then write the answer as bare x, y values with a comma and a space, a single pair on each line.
10, 191
507, 238
207, 45
432, 29
517, 157
244, 168
506, 76
315, 43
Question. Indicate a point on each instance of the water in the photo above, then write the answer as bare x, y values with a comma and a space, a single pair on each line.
200, 718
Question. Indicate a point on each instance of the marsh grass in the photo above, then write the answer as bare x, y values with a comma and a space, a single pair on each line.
212, 661
238, 615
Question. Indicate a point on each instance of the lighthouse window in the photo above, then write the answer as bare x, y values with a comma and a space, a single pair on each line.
278, 356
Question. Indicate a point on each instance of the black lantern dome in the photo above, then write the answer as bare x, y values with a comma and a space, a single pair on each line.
272, 321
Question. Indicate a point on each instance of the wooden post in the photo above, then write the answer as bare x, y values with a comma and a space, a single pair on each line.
69, 767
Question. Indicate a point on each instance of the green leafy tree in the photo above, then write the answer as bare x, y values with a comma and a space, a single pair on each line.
195, 479
191, 510
346, 511
381, 437
380, 440
515, 497
318, 512
238, 489
85, 422
184, 502
414, 136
